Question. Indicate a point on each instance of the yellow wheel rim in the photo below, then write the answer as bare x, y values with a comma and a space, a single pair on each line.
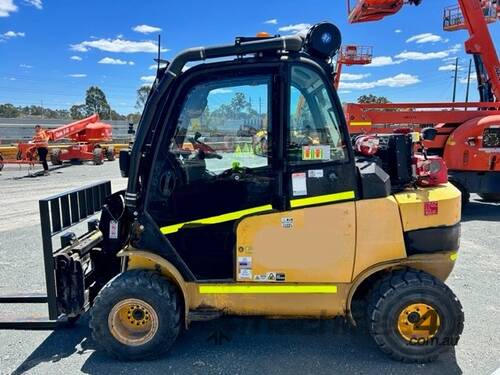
133, 322
418, 321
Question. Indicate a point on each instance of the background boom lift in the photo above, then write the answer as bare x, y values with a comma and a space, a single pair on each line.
468, 134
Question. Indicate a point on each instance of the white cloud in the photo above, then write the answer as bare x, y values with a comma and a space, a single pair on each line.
473, 78
448, 68
451, 58
399, 80
117, 45
383, 61
146, 29
299, 28
76, 58
13, 34
7, 7
221, 91
344, 91
26, 66
77, 75
148, 79
36, 3
352, 77
424, 38
272, 21
410, 55
397, 31
155, 66
111, 61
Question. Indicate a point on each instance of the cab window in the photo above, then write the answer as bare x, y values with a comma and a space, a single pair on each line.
223, 125
314, 134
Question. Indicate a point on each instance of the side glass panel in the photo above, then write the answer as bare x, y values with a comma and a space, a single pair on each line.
314, 128
223, 125
316, 150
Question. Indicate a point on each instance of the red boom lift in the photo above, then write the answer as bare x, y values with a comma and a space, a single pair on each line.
468, 134
86, 135
351, 55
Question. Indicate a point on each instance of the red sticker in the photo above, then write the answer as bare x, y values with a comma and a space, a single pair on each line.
430, 208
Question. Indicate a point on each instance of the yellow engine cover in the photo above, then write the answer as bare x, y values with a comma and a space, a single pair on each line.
429, 207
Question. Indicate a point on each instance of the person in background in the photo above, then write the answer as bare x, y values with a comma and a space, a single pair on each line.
41, 140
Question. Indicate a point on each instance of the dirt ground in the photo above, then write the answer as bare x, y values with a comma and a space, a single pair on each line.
235, 345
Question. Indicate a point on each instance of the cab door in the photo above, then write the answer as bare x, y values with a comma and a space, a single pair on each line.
313, 238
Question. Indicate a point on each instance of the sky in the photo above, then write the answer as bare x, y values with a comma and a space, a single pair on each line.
52, 51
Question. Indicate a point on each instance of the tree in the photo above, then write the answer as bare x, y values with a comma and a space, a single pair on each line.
78, 111
8, 110
370, 98
96, 102
142, 96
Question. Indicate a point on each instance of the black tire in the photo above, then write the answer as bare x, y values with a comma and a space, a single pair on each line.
110, 154
97, 156
397, 291
55, 157
490, 197
150, 288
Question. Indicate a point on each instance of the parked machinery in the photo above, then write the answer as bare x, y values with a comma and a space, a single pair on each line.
468, 134
86, 134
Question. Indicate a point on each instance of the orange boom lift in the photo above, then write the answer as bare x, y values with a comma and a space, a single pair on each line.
86, 135
468, 134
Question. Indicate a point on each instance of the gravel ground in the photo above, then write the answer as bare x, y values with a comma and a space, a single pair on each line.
245, 345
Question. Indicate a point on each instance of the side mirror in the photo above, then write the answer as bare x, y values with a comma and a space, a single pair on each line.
428, 134
124, 162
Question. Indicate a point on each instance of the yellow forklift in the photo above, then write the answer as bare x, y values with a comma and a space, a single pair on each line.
306, 225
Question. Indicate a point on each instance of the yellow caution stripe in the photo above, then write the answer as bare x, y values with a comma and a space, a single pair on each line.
217, 219
360, 123
267, 289
301, 202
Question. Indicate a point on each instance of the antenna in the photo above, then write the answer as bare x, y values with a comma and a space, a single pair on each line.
159, 57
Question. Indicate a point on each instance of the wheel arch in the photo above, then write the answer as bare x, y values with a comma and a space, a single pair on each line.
438, 265
140, 259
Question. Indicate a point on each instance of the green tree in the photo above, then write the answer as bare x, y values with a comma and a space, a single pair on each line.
370, 98
78, 111
9, 110
96, 102
142, 96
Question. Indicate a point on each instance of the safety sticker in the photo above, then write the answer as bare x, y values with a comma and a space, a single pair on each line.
271, 276
299, 184
430, 208
287, 222
280, 276
315, 173
113, 229
245, 273
316, 152
245, 262
260, 277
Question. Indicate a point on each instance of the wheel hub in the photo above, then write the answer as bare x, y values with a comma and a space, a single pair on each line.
418, 321
133, 322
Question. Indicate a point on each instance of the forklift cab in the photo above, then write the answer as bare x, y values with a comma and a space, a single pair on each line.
206, 177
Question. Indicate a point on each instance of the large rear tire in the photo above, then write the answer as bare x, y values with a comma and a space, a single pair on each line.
136, 316
110, 154
55, 157
490, 197
463, 190
97, 156
414, 317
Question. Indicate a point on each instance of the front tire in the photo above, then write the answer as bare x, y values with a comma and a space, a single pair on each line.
414, 317
136, 316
